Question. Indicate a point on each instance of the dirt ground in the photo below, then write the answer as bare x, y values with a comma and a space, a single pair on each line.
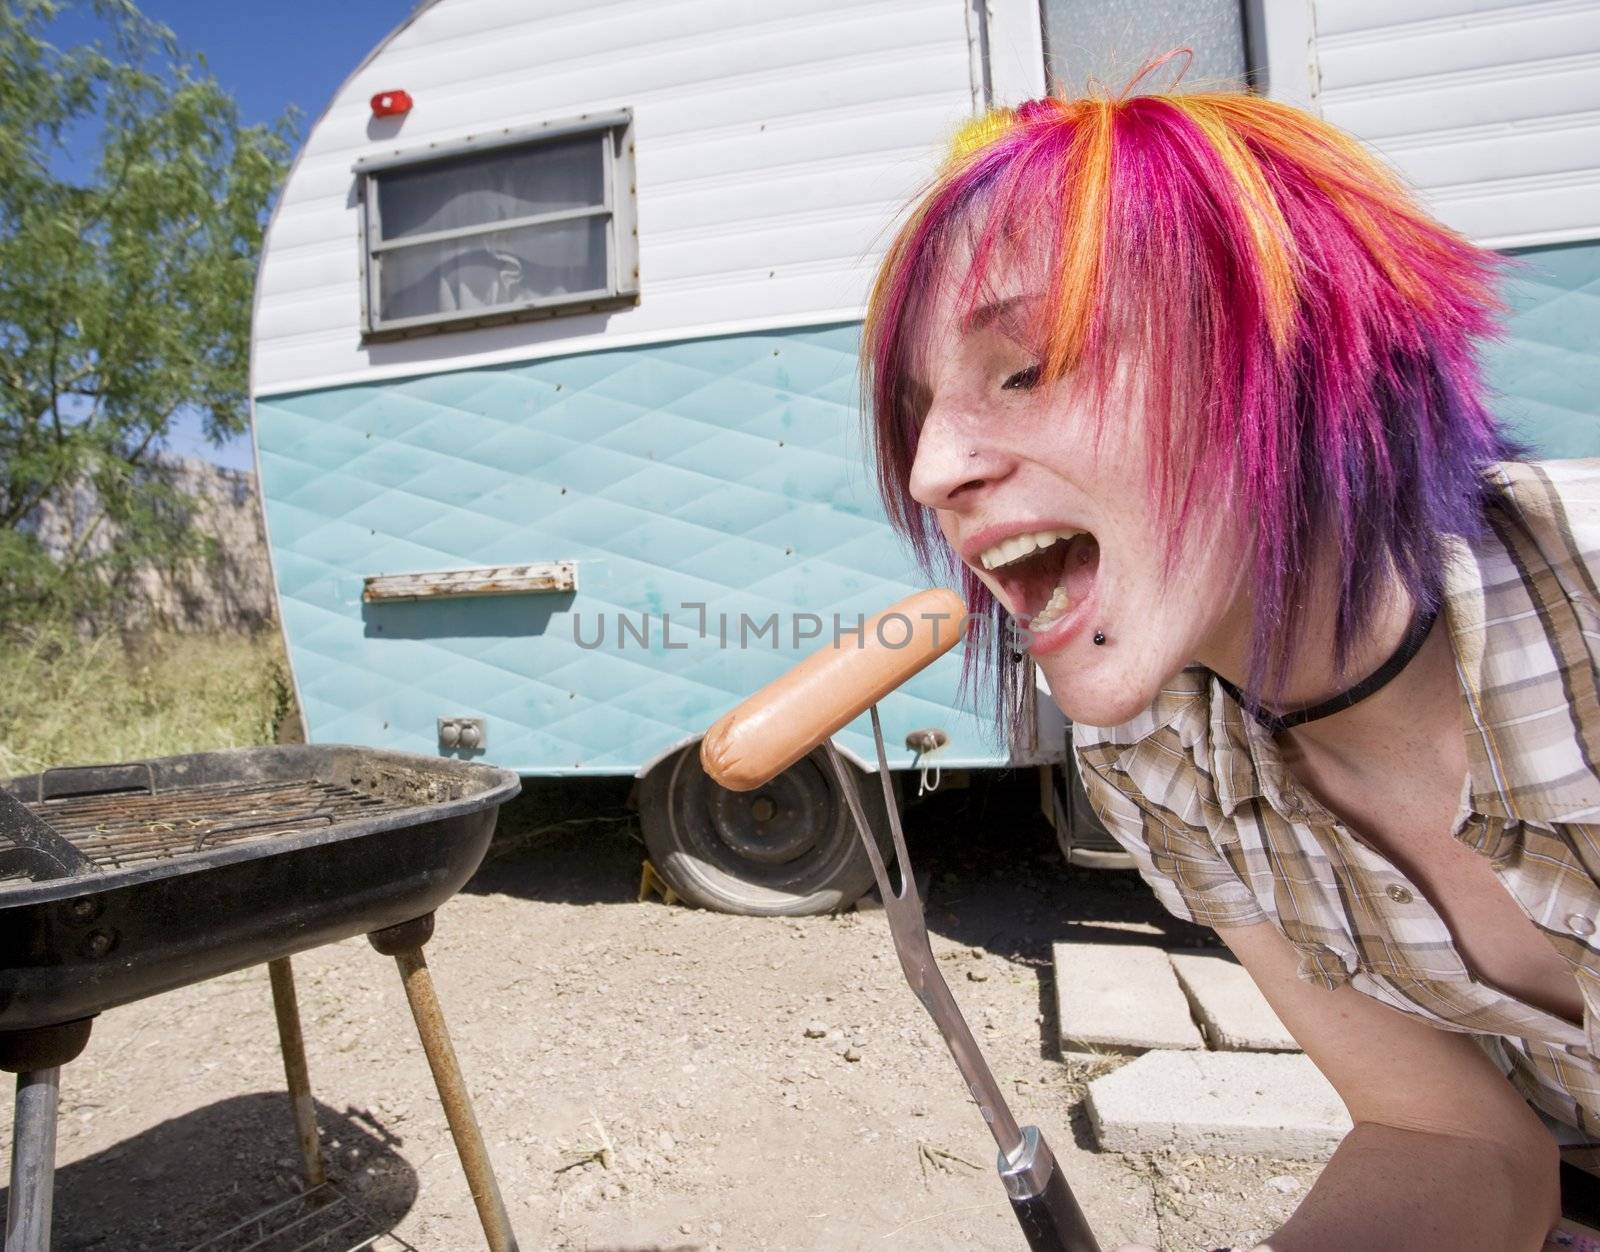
651, 1076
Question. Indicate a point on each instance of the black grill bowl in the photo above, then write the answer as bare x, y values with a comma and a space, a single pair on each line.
402, 835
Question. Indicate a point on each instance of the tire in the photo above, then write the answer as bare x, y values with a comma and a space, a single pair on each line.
788, 849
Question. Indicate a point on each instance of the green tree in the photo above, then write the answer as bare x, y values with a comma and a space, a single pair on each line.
125, 290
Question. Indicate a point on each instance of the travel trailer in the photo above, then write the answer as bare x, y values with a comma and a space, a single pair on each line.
553, 367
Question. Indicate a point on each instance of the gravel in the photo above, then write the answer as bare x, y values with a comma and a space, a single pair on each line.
650, 1076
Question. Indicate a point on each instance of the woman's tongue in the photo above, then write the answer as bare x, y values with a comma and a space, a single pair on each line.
1072, 582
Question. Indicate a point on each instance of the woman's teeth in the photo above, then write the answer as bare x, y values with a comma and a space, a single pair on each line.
1053, 609
1019, 546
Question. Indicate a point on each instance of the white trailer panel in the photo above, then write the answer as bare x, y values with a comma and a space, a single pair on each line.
773, 143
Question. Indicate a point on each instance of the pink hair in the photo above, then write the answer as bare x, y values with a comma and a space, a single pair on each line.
1305, 331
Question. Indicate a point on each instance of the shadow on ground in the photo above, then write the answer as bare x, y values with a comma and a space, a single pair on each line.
997, 879
565, 841
191, 1178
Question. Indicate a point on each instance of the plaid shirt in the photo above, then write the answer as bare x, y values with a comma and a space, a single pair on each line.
1198, 794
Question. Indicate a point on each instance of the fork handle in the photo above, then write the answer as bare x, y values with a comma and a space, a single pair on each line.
1053, 1222
1046, 1209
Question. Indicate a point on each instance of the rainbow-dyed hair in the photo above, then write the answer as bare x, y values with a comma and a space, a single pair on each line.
1307, 334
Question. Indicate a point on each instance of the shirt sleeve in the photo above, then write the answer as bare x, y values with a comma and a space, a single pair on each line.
1189, 875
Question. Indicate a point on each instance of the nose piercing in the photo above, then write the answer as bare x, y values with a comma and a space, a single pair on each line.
972, 452
1099, 636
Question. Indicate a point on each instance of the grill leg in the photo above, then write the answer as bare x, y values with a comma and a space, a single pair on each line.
294, 1070
404, 943
33, 1161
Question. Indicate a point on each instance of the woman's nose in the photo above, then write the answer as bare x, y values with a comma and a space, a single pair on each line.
948, 466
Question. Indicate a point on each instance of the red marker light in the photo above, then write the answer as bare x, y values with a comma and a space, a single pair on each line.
391, 104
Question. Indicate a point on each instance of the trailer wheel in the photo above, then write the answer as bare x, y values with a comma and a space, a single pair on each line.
784, 850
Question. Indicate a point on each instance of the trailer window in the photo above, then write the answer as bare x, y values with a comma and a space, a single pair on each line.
1096, 41
479, 233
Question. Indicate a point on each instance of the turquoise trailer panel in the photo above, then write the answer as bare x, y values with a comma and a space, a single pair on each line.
716, 499
1547, 369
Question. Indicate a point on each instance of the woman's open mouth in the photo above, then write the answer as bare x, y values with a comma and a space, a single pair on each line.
1043, 574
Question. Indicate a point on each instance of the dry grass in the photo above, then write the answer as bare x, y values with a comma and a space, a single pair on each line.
66, 700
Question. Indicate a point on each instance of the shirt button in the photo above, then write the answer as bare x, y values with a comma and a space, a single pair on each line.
1398, 894
1578, 924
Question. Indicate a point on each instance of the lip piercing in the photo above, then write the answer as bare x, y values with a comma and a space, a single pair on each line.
1099, 636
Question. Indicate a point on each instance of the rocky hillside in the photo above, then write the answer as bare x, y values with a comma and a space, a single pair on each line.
229, 591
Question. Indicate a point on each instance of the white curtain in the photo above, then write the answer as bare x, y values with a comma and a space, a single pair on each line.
500, 267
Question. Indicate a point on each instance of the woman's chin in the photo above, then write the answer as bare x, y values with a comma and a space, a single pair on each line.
1097, 700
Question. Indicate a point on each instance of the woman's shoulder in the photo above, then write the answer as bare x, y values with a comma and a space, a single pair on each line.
1557, 504
1559, 494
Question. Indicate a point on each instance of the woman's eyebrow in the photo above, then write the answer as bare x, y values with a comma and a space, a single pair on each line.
985, 314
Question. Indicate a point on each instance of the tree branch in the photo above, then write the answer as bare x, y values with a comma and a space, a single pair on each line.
55, 389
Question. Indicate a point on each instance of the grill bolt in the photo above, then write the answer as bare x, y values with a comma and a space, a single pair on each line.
98, 943
85, 909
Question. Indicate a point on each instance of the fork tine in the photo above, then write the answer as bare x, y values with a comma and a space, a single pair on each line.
908, 882
852, 800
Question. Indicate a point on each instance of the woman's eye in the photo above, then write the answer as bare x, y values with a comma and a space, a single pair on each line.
1022, 380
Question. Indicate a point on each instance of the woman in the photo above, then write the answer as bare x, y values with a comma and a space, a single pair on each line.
1185, 387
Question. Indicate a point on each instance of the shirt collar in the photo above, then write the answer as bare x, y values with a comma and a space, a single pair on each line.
1247, 765
1239, 762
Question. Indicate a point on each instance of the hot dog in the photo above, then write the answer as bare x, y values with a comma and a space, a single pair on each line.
771, 730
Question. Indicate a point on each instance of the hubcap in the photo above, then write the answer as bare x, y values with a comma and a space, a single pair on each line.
779, 823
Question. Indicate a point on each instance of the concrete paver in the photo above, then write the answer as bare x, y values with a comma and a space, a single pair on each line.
1120, 998
1242, 1103
1233, 1014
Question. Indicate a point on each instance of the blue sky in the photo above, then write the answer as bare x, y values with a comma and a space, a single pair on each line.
269, 56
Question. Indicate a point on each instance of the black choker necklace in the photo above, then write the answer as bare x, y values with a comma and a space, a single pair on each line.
1421, 624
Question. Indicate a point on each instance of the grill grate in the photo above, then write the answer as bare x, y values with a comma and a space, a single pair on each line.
116, 831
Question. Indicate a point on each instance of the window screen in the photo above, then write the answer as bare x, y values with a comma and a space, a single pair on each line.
1106, 41
529, 227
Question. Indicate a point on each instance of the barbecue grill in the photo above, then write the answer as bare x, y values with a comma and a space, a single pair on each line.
122, 881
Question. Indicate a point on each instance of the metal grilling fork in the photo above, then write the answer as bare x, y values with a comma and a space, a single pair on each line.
1043, 1202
